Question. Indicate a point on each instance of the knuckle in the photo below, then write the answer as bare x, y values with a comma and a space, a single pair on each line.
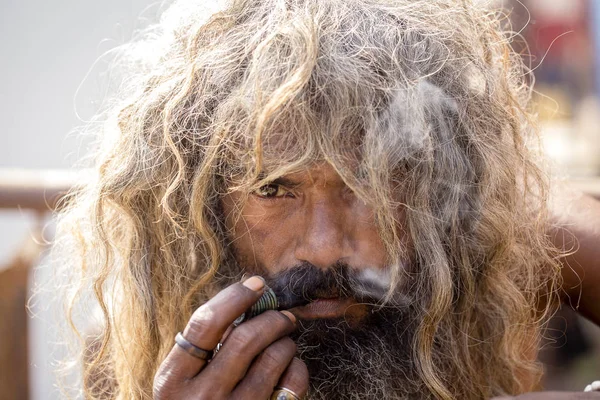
300, 370
278, 353
277, 320
207, 319
161, 389
204, 321
269, 324
159, 393
208, 392
270, 360
242, 337
288, 344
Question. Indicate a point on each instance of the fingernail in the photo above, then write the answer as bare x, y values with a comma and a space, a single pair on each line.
288, 314
255, 283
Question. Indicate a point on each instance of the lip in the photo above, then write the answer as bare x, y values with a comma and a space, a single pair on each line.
334, 307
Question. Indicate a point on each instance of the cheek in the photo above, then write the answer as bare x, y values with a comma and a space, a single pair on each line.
257, 235
370, 244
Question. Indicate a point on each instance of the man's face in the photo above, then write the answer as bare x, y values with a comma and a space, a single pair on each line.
307, 218
313, 239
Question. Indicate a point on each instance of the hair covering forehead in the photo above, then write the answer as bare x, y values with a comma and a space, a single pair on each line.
316, 74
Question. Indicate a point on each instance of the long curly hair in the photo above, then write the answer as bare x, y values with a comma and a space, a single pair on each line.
420, 106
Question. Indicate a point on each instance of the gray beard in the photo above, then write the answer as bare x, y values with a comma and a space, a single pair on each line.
373, 361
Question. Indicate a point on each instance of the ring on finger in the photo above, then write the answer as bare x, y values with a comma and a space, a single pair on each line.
192, 349
282, 393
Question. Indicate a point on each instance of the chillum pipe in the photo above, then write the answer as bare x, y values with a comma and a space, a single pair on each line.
270, 301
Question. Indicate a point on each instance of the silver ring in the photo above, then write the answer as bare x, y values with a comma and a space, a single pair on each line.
282, 393
192, 349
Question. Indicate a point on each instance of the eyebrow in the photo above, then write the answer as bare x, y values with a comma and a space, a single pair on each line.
287, 182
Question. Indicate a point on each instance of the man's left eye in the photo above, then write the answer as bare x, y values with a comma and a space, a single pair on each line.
271, 190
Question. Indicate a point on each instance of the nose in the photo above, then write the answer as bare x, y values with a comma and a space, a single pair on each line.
324, 234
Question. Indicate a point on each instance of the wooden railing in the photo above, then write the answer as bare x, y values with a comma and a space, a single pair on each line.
38, 190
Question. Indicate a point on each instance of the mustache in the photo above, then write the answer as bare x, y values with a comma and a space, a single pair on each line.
304, 283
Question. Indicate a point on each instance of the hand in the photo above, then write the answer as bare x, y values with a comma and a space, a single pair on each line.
255, 357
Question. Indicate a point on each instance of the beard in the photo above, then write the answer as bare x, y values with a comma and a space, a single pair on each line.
349, 359
371, 361
369, 358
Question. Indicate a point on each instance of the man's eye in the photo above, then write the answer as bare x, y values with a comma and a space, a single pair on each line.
271, 190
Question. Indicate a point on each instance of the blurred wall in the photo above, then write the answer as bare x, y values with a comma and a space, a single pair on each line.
46, 50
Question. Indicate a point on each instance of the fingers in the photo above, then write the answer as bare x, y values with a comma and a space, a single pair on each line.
242, 346
255, 357
207, 325
295, 378
264, 374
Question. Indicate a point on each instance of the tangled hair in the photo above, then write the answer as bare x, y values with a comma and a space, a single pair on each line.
419, 106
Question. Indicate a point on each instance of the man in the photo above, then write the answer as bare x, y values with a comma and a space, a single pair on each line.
368, 161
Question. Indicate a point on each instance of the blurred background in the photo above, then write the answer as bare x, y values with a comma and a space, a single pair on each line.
52, 81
